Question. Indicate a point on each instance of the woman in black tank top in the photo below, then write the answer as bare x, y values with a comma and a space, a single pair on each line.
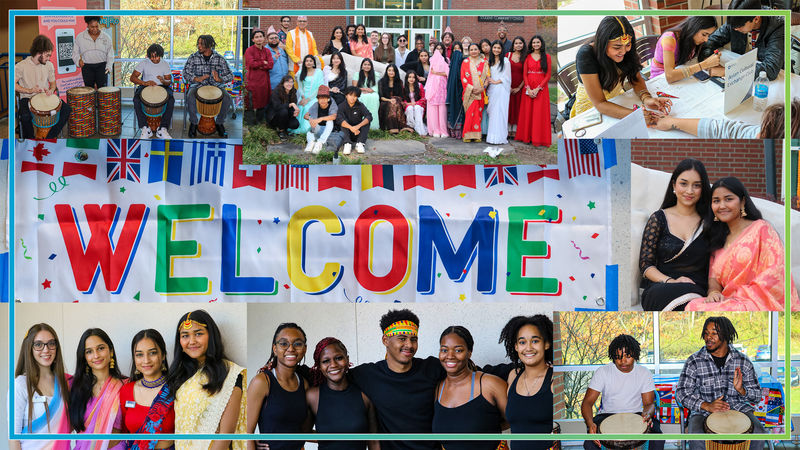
337, 404
467, 401
529, 345
277, 394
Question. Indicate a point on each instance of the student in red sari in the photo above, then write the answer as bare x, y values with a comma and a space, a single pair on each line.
146, 403
258, 60
474, 71
534, 111
516, 57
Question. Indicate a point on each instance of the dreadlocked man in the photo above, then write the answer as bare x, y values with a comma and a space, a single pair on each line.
626, 387
718, 378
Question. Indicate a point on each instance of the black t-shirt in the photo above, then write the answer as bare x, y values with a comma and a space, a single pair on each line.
403, 401
586, 62
719, 361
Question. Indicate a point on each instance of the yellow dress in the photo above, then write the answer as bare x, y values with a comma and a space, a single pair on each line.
197, 412
583, 103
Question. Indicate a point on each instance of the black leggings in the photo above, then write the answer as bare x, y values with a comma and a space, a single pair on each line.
284, 119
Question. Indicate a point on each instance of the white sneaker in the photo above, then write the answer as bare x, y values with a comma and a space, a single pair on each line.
162, 133
346, 149
309, 146
359, 147
146, 133
317, 148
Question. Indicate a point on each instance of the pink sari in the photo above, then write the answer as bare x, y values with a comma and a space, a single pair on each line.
102, 415
751, 271
436, 85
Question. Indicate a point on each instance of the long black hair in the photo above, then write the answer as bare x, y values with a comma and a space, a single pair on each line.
508, 336
501, 58
522, 53
83, 379
719, 231
286, 97
342, 65
684, 36
184, 366
364, 39
542, 52
480, 45
703, 204
304, 70
608, 30
397, 83
725, 329
330, 49
154, 336
466, 336
407, 87
366, 80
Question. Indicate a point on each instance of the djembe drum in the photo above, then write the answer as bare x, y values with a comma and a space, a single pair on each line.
154, 100
728, 422
82, 122
109, 111
209, 105
46, 110
623, 423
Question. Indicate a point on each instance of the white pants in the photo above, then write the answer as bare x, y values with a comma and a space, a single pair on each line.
415, 118
320, 133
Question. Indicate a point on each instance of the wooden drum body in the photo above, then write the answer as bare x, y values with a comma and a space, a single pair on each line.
46, 110
154, 100
728, 422
209, 105
109, 111
82, 121
623, 423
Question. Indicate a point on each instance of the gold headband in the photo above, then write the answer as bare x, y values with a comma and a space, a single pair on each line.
187, 324
401, 327
625, 38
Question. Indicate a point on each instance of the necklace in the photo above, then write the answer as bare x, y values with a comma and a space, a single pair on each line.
525, 381
155, 383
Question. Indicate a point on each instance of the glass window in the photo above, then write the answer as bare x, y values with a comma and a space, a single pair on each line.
795, 337
585, 336
132, 48
680, 333
575, 384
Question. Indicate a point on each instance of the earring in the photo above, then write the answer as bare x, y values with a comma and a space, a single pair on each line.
137, 372
744, 213
112, 364
163, 366
716, 219
87, 369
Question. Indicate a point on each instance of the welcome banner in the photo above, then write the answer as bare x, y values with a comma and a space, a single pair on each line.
131, 220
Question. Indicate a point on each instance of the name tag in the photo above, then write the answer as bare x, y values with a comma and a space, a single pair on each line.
130, 404
39, 400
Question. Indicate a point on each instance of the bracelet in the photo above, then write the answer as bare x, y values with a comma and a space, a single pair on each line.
711, 292
644, 96
666, 279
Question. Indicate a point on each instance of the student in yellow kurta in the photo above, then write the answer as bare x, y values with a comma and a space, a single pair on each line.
299, 43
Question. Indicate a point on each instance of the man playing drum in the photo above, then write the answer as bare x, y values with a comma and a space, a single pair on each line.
36, 75
206, 67
153, 71
718, 378
93, 52
625, 386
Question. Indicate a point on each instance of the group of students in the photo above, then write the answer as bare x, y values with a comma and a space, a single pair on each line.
611, 60
718, 377
200, 392
405, 394
459, 89
709, 249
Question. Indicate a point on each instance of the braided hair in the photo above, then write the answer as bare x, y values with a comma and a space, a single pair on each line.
725, 329
466, 336
623, 345
316, 377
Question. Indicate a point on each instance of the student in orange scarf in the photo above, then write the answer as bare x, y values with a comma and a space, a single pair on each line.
299, 43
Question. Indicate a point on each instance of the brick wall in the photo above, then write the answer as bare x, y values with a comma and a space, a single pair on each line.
743, 159
559, 412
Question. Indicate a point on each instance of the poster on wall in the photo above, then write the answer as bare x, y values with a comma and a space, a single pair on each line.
130, 220
62, 31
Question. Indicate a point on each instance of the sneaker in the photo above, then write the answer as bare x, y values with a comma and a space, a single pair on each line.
309, 146
162, 133
346, 149
146, 132
360, 147
317, 148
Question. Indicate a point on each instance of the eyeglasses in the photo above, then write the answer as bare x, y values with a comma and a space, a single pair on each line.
39, 345
284, 344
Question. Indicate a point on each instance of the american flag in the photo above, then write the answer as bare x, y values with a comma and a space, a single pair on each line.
123, 159
583, 157
498, 174
293, 176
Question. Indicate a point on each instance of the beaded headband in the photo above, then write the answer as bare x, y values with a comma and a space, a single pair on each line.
187, 324
625, 38
401, 327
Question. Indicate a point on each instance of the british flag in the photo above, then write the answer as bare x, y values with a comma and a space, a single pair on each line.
583, 157
293, 176
123, 159
499, 174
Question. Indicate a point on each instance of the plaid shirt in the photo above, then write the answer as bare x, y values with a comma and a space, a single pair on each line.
197, 66
701, 381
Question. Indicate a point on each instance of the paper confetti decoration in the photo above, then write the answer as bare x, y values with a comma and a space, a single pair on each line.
46, 284
52, 256
138, 296
342, 203
591, 205
158, 197
580, 252
594, 236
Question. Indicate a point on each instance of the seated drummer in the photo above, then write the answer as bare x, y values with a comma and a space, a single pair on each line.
744, 33
34, 75
153, 71
625, 386
203, 68
718, 378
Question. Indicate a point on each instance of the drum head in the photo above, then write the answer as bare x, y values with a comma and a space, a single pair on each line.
81, 90
623, 423
728, 422
209, 93
108, 89
154, 94
44, 102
